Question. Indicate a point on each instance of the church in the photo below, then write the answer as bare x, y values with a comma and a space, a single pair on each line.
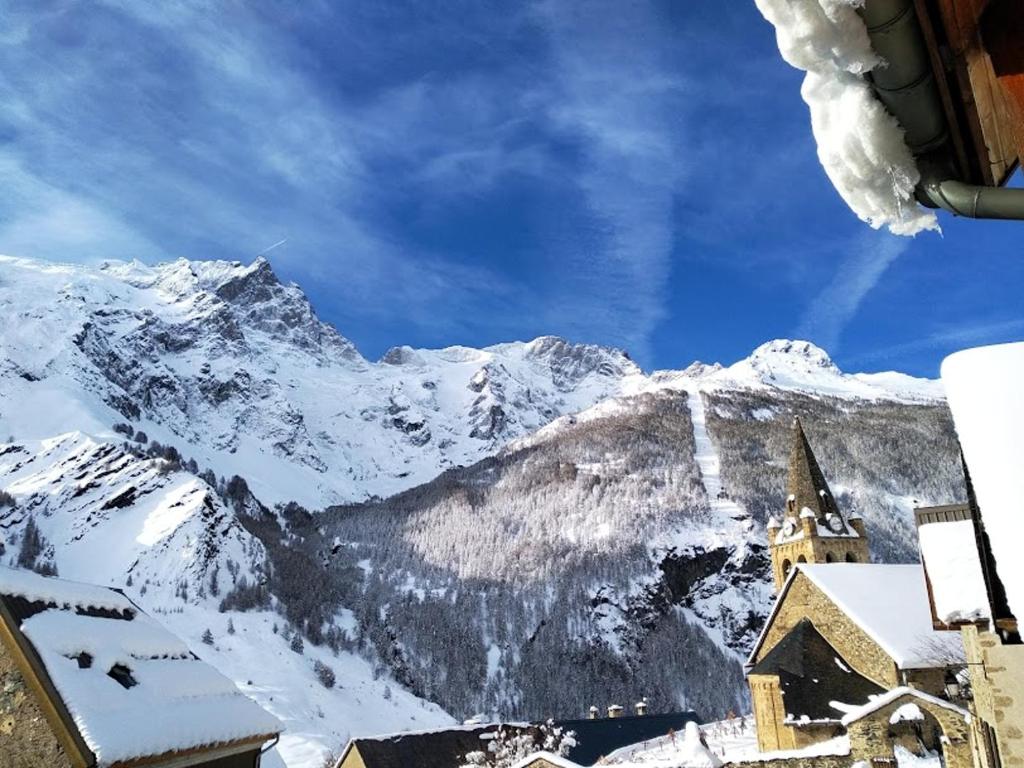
844, 635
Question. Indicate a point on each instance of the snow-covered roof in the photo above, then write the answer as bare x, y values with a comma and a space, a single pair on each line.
950, 555
889, 602
895, 694
64, 593
984, 390
548, 757
131, 688
860, 145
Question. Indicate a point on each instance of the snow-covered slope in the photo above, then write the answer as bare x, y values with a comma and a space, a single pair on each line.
105, 516
234, 369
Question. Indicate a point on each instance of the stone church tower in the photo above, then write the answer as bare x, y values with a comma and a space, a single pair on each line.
812, 529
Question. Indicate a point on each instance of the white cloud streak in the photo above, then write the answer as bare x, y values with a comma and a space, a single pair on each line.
832, 309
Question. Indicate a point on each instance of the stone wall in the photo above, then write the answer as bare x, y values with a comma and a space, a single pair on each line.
816, 549
824, 761
873, 736
805, 600
997, 682
26, 740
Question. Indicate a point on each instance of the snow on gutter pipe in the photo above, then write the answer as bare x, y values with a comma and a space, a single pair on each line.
908, 90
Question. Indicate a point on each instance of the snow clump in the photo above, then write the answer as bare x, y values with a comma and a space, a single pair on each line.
860, 145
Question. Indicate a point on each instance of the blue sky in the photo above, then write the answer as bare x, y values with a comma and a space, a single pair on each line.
639, 174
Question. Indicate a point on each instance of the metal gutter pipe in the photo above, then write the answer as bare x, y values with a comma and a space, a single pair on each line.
907, 88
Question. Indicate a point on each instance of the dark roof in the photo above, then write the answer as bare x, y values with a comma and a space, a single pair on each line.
806, 482
598, 738
813, 674
448, 748
426, 749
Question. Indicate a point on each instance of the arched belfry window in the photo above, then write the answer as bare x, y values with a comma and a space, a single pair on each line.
801, 559
851, 558
786, 566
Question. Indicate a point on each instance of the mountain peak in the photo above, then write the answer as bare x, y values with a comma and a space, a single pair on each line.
793, 351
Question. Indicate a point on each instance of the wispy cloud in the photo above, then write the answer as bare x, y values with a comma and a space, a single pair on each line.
613, 90
209, 131
832, 308
948, 340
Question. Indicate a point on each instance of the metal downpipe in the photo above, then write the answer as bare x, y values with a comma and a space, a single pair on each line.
972, 200
907, 88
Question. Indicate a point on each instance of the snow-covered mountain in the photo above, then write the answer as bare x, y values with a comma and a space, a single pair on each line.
582, 531
235, 370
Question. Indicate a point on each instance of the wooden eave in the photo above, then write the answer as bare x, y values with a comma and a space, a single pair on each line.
34, 671
986, 125
186, 757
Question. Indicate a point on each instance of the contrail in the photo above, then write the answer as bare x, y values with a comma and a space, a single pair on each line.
268, 250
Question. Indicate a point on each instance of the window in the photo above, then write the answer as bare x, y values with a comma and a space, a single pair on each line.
122, 675
786, 565
851, 558
801, 559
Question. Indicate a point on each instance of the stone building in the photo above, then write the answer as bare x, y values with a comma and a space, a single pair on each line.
811, 529
843, 631
87, 679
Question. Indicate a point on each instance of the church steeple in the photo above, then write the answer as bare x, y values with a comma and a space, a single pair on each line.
812, 528
807, 487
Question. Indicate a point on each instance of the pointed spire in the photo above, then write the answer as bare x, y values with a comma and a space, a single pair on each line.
806, 488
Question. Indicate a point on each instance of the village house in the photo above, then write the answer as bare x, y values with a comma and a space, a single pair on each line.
971, 552
87, 679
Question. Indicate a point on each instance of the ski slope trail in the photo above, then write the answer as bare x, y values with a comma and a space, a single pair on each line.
709, 463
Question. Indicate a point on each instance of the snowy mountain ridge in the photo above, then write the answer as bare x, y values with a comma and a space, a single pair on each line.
235, 369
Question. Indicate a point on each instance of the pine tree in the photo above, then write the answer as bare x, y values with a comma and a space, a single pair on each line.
231, 627
297, 644
323, 673
208, 637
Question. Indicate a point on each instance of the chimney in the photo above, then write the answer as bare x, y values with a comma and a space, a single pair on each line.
641, 707
808, 522
592, 713
614, 710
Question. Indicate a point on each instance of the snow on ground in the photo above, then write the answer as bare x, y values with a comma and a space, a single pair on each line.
731, 740
907, 759
677, 750
318, 722
984, 387
860, 145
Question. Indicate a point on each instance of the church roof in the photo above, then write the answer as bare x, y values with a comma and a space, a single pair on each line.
806, 487
813, 675
889, 603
